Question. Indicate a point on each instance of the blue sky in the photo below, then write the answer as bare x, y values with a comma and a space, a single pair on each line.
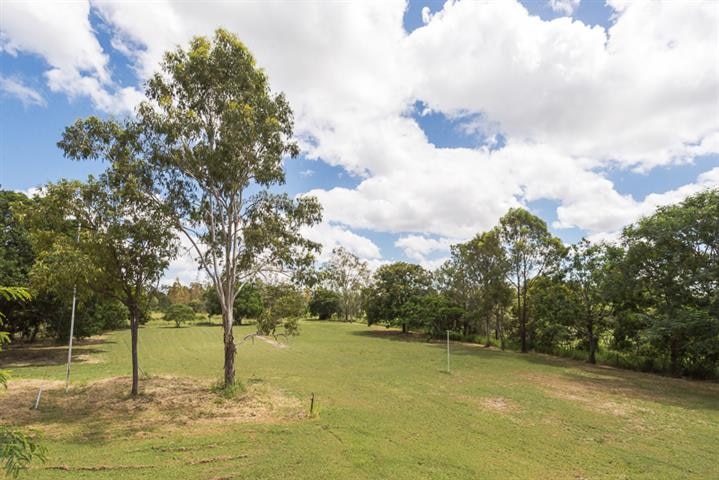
422, 122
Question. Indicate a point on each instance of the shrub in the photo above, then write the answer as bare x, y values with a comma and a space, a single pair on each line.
179, 314
112, 315
324, 303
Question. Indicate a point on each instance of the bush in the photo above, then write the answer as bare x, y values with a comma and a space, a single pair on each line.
324, 303
197, 306
112, 315
179, 314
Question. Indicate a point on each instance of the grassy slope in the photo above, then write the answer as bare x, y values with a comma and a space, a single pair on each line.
389, 411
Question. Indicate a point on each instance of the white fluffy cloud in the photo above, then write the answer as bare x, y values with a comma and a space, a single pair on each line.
332, 236
571, 100
185, 267
24, 93
418, 247
639, 93
565, 7
61, 33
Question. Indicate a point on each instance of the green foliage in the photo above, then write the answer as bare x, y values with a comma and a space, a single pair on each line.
324, 303
474, 278
531, 251
433, 312
179, 314
284, 304
17, 450
346, 275
673, 257
229, 392
113, 315
395, 293
589, 275
20, 294
16, 256
10, 294
130, 235
4, 374
553, 310
247, 304
217, 136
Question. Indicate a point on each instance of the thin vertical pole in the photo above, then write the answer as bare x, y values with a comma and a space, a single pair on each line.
72, 324
37, 399
448, 369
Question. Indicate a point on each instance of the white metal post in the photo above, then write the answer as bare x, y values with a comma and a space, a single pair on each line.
448, 369
72, 324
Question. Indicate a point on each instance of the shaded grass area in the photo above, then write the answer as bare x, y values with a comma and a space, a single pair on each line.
386, 409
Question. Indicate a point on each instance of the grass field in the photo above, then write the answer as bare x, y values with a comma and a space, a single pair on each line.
387, 409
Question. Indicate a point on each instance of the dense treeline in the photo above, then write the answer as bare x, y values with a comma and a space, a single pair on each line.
649, 301
42, 248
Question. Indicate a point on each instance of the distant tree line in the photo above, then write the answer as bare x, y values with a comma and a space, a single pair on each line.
648, 301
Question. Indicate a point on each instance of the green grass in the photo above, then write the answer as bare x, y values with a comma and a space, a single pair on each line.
388, 409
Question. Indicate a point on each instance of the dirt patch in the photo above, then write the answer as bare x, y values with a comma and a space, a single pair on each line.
221, 458
272, 342
104, 409
97, 468
494, 404
499, 404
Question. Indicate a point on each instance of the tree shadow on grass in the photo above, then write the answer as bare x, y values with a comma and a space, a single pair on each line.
19, 356
589, 380
394, 335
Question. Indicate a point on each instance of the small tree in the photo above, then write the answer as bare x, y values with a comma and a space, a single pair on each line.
587, 276
179, 314
346, 275
59, 265
248, 303
395, 293
531, 251
435, 312
129, 240
324, 303
178, 293
284, 305
556, 315
484, 265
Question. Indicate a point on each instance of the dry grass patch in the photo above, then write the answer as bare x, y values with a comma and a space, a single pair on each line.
103, 409
272, 341
499, 404
594, 394
493, 404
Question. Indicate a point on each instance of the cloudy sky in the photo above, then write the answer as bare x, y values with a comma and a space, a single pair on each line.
421, 123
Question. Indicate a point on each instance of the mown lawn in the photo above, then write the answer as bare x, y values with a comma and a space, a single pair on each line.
387, 409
